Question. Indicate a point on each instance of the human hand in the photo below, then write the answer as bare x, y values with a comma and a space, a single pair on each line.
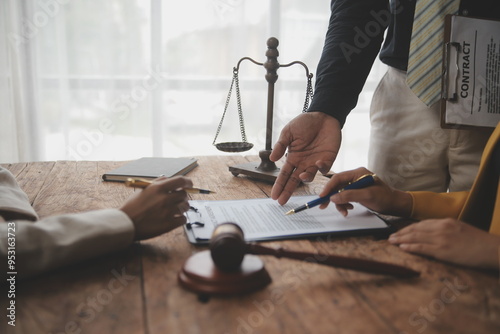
450, 240
159, 208
378, 197
313, 141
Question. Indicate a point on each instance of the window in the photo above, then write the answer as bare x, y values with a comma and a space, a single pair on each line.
123, 79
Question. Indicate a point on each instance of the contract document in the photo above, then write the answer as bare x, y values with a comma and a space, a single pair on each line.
264, 219
471, 81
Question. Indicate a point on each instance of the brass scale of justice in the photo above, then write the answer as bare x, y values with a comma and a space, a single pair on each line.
266, 170
231, 266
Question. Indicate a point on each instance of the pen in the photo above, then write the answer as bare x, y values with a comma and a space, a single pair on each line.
143, 183
362, 182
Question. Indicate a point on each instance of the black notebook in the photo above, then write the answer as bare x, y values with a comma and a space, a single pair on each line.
151, 168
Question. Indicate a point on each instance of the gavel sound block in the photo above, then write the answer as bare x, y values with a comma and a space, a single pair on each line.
224, 269
229, 268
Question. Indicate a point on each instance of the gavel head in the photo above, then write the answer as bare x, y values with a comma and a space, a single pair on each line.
227, 246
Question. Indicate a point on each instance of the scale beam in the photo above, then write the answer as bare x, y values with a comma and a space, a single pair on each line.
266, 170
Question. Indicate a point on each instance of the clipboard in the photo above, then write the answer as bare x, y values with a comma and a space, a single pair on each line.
471, 72
265, 220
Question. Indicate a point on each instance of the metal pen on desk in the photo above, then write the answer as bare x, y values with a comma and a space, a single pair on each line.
362, 182
143, 183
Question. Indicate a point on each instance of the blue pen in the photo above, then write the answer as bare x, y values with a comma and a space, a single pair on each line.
362, 182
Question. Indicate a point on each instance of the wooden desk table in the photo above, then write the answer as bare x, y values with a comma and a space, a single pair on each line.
136, 291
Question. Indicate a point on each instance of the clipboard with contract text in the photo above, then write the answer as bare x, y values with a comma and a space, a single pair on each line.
471, 73
263, 220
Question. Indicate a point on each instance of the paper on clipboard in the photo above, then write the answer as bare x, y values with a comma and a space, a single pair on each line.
263, 219
471, 66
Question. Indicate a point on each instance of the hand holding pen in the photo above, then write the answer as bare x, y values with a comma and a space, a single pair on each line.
361, 182
378, 196
159, 208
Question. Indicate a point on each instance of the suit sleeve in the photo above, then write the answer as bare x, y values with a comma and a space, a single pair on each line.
352, 42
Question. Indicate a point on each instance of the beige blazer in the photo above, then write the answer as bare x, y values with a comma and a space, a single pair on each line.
45, 244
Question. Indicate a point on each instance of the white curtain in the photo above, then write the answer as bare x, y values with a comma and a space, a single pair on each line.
19, 135
123, 79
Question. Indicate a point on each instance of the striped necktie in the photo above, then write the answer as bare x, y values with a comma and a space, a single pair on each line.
426, 48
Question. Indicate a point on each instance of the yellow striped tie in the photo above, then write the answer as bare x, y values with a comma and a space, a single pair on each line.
426, 48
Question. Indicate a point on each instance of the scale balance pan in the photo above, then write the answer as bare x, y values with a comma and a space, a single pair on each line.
234, 146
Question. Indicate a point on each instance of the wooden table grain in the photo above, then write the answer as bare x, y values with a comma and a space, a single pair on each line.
136, 290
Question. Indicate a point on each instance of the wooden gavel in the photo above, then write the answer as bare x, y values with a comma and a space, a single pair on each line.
228, 248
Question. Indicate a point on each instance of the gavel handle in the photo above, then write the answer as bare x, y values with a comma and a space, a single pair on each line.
364, 265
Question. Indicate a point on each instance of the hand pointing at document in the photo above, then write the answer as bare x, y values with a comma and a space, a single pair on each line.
312, 141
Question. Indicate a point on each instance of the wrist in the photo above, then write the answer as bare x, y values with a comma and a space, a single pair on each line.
322, 114
403, 203
339, 114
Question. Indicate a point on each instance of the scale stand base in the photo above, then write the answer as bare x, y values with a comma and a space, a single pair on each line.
266, 170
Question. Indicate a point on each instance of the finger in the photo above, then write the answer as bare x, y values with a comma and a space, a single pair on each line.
183, 206
280, 182
324, 205
174, 201
177, 221
334, 183
175, 183
411, 238
349, 206
174, 210
340, 180
175, 198
373, 197
180, 210
309, 174
429, 225
290, 187
324, 166
278, 150
348, 196
284, 181
161, 178
344, 209
420, 248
